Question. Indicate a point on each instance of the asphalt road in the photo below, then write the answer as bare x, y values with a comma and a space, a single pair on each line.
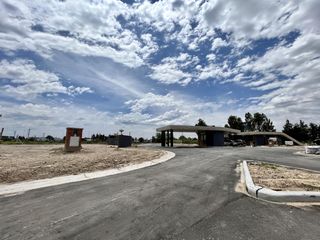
189, 197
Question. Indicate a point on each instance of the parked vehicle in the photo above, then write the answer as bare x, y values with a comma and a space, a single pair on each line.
239, 142
234, 143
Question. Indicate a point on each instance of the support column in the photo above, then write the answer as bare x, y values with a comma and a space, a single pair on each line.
163, 138
168, 137
171, 138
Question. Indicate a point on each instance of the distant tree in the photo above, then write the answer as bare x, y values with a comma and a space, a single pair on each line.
288, 128
157, 138
49, 138
235, 122
21, 138
299, 131
182, 138
141, 140
201, 122
248, 122
314, 131
258, 120
267, 125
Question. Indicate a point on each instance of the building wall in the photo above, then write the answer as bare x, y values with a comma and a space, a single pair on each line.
218, 139
260, 140
214, 138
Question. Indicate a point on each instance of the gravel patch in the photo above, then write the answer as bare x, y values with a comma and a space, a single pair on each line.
26, 162
280, 178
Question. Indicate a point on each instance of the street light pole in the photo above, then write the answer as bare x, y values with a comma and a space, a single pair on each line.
1, 130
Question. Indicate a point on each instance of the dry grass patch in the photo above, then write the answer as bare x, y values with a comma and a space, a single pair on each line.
26, 162
280, 178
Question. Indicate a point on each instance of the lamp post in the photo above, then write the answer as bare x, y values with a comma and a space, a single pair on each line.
1, 131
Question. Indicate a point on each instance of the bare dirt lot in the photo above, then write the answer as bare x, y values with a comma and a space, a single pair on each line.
280, 178
25, 162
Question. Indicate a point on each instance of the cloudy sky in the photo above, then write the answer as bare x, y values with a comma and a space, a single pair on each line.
110, 64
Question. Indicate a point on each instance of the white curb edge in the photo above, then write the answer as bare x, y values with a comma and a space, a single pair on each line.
21, 187
277, 196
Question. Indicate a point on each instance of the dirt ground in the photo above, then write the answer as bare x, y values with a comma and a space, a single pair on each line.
281, 178
25, 162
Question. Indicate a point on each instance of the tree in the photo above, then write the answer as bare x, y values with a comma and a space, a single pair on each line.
182, 137
258, 119
235, 122
141, 140
248, 122
50, 138
201, 123
302, 131
267, 125
288, 128
93, 137
314, 131
157, 138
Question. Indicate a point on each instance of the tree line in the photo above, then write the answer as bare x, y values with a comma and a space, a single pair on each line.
252, 122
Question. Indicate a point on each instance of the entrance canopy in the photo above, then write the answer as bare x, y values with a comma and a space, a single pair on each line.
189, 128
207, 136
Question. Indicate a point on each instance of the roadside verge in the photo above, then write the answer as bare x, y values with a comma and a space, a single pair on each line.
277, 196
21, 187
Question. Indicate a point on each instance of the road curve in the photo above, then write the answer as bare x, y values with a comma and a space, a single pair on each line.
189, 197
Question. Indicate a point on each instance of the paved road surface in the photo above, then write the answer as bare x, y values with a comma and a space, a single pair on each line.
189, 197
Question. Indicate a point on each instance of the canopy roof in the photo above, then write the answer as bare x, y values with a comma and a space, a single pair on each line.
190, 128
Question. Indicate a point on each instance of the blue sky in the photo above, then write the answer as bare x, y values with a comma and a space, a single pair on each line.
138, 65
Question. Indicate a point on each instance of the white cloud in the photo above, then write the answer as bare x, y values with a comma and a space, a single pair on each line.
218, 43
23, 80
175, 108
292, 73
211, 57
215, 71
92, 30
89, 29
172, 70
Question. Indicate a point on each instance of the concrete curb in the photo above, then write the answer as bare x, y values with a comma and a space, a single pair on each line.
21, 187
277, 196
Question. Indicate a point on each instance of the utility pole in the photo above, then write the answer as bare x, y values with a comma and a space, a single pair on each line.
29, 132
1, 131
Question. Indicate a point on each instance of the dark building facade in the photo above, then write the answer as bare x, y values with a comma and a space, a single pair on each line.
120, 140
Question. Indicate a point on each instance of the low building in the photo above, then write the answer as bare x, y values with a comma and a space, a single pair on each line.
262, 138
120, 140
215, 136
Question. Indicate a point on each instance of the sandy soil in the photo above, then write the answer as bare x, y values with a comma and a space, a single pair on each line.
280, 178
25, 162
